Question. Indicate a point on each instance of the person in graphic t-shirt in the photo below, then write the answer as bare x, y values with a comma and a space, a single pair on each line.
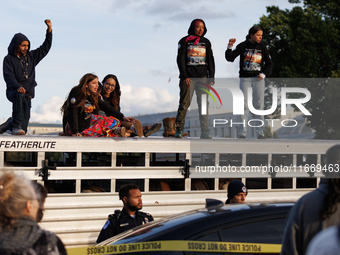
255, 65
195, 60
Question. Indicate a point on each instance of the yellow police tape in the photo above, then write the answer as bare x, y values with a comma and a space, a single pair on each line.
194, 246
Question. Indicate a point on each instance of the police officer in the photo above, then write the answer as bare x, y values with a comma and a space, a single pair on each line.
129, 217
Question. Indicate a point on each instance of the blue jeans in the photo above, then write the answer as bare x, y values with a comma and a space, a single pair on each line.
258, 102
21, 109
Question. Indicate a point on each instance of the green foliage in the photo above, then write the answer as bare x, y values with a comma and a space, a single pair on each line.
328, 8
268, 132
304, 42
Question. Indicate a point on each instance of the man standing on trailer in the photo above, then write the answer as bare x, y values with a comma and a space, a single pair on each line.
19, 75
129, 217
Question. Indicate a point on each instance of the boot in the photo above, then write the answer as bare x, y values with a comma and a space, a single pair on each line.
137, 128
169, 125
119, 131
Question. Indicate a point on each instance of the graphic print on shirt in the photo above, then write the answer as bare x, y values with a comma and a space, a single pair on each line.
196, 55
89, 108
252, 60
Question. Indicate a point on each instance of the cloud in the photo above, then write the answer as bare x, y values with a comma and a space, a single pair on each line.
202, 12
176, 9
160, 72
49, 111
145, 100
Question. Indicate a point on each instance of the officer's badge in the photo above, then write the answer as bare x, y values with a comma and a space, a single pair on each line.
146, 220
107, 223
244, 189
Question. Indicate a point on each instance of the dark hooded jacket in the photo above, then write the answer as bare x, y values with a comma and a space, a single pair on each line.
195, 61
304, 221
27, 238
254, 58
13, 68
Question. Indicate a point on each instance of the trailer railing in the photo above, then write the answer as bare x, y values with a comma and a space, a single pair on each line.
83, 175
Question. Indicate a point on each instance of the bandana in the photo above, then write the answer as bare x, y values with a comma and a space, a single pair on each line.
193, 37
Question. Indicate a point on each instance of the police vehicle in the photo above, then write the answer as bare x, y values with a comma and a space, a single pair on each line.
240, 228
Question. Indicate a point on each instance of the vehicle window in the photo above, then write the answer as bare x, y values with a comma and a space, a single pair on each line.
208, 236
214, 236
264, 231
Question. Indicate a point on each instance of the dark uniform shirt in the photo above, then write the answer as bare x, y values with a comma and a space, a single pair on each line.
120, 222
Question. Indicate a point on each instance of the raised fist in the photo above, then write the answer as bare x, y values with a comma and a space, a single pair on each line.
49, 24
231, 41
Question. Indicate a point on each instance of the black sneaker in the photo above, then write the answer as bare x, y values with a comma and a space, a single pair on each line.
4, 126
18, 131
205, 134
179, 134
261, 137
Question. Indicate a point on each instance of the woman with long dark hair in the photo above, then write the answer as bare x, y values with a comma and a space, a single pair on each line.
110, 93
81, 118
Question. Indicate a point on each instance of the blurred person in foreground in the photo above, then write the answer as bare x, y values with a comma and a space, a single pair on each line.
316, 210
327, 242
41, 193
20, 233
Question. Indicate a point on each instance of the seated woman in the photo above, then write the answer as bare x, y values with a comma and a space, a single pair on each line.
111, 93
20, 233
80, 113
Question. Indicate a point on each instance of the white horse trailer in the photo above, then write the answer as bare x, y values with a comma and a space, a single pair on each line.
83, 175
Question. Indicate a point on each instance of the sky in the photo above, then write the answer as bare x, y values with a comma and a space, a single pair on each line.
136, 40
